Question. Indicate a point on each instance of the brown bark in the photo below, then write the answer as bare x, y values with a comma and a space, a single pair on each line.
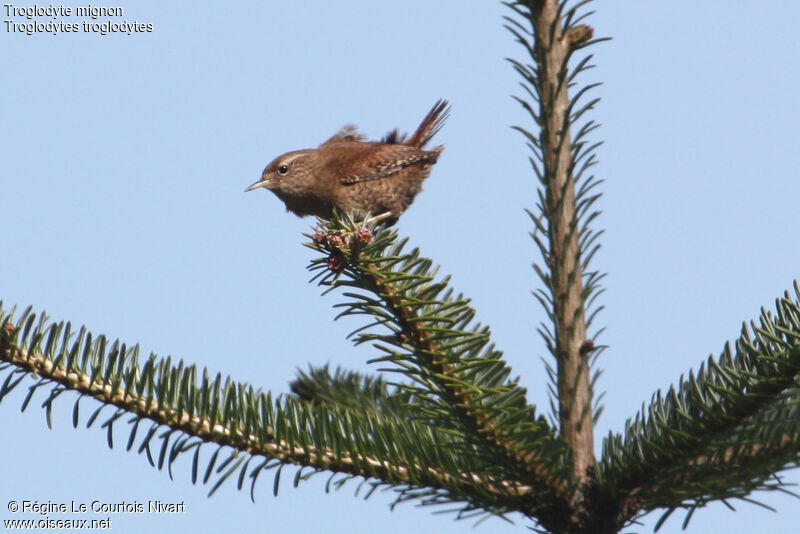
552, 47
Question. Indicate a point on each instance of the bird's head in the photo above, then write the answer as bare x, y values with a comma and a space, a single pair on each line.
287, 174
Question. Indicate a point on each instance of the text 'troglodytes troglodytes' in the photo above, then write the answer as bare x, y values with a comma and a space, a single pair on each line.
352, 175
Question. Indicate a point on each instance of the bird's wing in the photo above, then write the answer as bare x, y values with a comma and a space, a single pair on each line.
390, 164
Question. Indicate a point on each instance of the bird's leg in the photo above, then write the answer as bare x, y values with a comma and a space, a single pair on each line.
379, 218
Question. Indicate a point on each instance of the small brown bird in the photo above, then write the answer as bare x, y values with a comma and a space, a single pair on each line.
352, 175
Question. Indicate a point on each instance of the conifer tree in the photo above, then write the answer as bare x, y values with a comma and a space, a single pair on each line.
444, 421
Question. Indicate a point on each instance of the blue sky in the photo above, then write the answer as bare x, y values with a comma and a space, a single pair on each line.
125, 159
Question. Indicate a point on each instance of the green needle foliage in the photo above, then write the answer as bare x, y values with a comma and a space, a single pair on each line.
444, 421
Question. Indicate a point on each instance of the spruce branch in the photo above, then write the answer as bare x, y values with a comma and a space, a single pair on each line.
431, 341
723, 432
412, 457
353, 390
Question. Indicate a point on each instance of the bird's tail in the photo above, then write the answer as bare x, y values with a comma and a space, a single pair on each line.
431, 124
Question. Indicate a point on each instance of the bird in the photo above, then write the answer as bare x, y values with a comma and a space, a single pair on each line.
348, 174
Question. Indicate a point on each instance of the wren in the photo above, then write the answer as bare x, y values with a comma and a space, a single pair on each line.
351, 175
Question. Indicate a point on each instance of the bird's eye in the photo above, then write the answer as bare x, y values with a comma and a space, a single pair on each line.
283, 169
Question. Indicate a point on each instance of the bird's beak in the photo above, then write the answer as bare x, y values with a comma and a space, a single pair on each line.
260, 183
